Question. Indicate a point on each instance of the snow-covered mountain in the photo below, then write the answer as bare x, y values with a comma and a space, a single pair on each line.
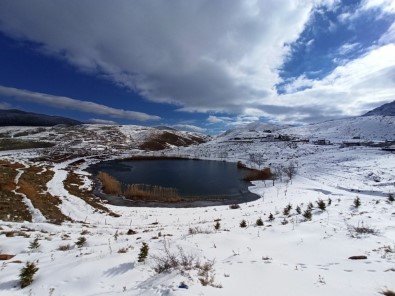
15, 117
366, 128
369, 128
384, 110
252, 130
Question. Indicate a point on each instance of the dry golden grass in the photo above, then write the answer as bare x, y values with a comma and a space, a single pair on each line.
110, 185
151, 193
33, 184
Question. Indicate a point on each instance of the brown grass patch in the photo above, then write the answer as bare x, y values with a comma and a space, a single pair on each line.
255, 175
33, 185
12, 208
110, 185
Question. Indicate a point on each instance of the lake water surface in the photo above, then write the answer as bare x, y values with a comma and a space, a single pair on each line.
196, 179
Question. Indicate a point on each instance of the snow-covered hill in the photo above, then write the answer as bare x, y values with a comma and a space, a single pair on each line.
252, 130
13, 117
384, 110
110, 138
368, 128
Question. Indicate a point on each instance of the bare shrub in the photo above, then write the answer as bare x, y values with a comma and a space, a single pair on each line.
84, 232
206, 273
290, 170
110, 185
64, 247
123, 250
181, 261
361, 230
284, 222
197, 230
234, 206
257, 158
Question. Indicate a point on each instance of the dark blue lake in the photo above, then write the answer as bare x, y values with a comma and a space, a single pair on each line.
197, 179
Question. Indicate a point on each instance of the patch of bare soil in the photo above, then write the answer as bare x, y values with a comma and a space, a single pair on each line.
12, 208
164, 139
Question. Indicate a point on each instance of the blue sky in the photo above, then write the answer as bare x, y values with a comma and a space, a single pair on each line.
199, 65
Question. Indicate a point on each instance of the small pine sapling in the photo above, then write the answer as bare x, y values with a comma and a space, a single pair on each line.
329, 201
287, 210
116, 235
217, 226
243, 224
391, 197
271, 217
310, 206
27, 273
357, 202
321, 205
34, 244
298, 210
284, 222
307, 214
81, 241
259, 222
143, 252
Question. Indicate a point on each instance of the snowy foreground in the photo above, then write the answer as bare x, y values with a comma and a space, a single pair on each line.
287, 256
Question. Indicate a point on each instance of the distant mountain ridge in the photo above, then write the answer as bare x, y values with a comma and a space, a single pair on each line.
253, 129
384, 110
14, 117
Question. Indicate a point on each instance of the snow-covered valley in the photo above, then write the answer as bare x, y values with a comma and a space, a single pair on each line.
312, 224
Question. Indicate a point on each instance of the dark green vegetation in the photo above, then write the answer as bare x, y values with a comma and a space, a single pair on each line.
143, 252
17, 144
27, 273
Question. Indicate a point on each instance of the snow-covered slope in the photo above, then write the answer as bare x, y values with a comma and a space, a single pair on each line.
384, 110
252, 130
290, 254
369, 128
